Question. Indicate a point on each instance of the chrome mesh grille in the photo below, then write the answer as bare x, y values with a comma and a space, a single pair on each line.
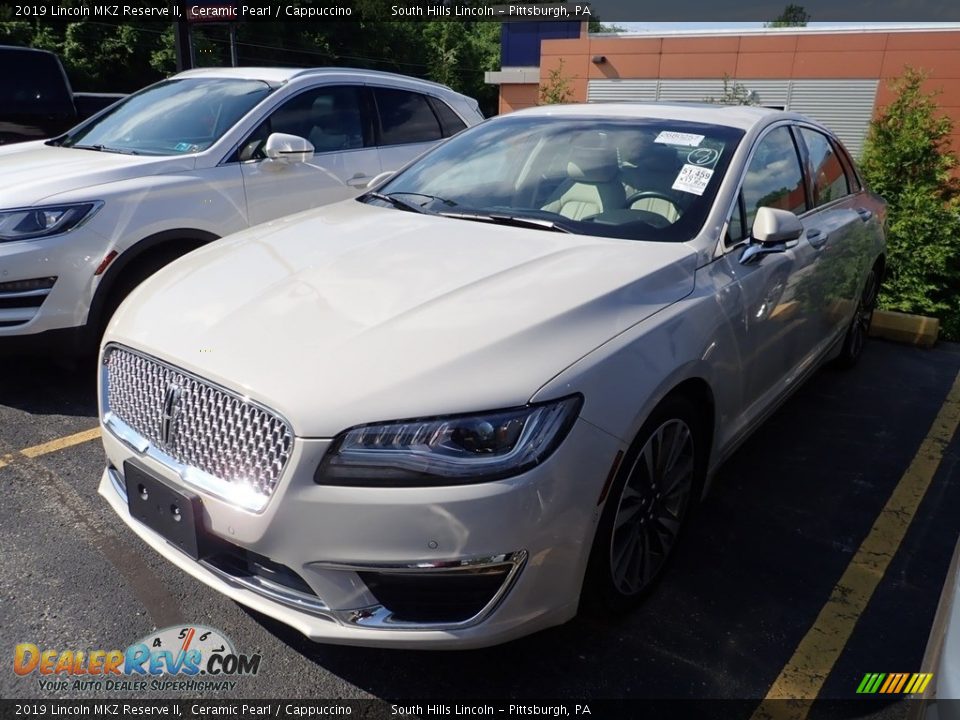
213, 430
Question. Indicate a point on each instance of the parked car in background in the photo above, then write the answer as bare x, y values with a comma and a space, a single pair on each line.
438, 414
88, 215
940, 699
36, 100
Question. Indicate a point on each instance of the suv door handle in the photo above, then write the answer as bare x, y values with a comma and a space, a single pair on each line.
358, 181
817, 238
864, 214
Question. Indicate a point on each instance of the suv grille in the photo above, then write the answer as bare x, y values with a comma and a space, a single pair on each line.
196, 423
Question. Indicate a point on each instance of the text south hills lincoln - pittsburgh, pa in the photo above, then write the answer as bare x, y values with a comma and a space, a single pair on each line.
492, 11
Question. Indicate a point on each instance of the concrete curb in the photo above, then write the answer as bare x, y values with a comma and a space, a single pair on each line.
912, 329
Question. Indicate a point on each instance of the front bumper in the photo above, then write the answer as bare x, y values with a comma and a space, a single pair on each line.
72, 258
535, 530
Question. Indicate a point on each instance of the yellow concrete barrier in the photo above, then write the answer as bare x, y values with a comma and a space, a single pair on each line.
913, 329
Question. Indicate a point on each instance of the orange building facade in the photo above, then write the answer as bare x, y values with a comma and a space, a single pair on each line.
839, 77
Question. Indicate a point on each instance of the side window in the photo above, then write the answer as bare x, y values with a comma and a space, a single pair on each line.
329, 117
829, 179
774, 178
852, 179
405, 117
450, 122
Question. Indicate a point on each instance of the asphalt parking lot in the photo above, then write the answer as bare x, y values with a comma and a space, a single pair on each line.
742, 613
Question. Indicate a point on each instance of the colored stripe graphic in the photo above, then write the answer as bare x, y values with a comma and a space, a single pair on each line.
894, 683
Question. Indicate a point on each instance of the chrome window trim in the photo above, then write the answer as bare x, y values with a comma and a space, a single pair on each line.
189, 475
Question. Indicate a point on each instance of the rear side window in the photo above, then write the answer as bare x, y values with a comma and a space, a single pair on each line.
405, 117
774, 178
829, 180
450, 122
852, 179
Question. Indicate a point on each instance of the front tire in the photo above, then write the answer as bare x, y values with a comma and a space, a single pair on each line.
648, 506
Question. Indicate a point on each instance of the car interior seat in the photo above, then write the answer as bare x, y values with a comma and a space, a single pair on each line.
592, 184
653, 169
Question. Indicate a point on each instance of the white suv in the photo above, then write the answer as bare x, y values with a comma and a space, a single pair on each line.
85, 217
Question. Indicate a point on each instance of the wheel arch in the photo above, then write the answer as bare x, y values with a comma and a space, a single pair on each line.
140, 252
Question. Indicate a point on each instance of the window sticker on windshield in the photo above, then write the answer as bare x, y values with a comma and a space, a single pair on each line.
704, 157
668, 137
693, 179
182, 147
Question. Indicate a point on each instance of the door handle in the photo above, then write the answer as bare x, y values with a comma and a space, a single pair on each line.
358, 181
864, 214
817, 238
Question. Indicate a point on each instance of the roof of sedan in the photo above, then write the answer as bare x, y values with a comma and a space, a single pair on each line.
739, 116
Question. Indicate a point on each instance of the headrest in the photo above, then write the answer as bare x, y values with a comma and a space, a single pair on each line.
657, 159
593, 164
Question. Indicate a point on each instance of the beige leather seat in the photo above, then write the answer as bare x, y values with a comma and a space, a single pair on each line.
592, 185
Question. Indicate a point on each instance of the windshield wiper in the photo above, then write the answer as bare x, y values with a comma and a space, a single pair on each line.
399, 203
104, 148
513, 220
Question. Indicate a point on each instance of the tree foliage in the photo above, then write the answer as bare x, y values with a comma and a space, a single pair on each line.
908, 160
122, 58
557, 88
792, 16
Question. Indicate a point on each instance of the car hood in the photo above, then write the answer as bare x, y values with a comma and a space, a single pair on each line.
353, 314
30, 172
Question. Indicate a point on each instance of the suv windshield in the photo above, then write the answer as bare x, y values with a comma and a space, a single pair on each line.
634, 178
172, 117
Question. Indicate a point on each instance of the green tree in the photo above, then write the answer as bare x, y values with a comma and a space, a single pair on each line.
557, 88
792, 16
908, 161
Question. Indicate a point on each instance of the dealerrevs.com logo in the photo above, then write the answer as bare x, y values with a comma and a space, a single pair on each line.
193, 658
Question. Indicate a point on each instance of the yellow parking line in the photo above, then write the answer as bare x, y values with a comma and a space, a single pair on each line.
53, 445
805, 673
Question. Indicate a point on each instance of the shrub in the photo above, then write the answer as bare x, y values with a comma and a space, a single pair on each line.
908, 160
557, 88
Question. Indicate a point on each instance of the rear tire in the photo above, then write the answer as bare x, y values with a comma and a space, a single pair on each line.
648, 506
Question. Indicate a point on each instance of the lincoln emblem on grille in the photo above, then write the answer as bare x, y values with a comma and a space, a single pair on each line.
171, 408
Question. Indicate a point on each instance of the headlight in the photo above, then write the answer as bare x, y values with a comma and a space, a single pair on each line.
452, 450
38, 222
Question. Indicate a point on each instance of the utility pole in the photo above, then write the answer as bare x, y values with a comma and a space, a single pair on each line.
182, 44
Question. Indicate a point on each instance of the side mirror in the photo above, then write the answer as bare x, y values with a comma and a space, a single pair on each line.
288, 148
377, 179
774, 231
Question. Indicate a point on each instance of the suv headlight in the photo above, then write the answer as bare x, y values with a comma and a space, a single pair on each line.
37, 222
452, 450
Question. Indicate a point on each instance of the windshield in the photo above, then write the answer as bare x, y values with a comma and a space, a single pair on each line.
172, 117
635, 178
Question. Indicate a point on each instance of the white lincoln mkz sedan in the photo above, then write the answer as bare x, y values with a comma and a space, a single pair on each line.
444, 412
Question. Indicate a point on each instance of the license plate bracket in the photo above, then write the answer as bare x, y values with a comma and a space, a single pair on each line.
170, 511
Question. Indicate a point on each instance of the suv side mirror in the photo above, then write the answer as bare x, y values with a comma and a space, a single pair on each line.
774, 231
288, 148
